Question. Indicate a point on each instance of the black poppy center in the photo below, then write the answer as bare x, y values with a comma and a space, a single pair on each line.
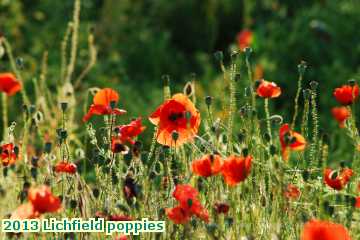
175, 116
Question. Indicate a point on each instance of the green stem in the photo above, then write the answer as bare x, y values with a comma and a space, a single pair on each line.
5, 116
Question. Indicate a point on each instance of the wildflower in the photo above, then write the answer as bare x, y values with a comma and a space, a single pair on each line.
207, 166
65, 167
221, 208
357, 202
292, 192
43, 200
9, 84
176, 115
324, 230
235, 169
268, 89
341, 114
8, 154
178, 215
24, 211
128, 132
103, 103
290, 140
346, 94
337, 180
244, 39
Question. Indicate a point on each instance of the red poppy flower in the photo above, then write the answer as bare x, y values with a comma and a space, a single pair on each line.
337, 180
357, 202
341, 114
268, 89
102, 104
346, 94
130, 131
292, 192
221, 208
244, 38
207, 166
24, 211
290, 140
65, 167
116, 217
235, 169
121, 237
8, 155
178, 215
177, 114
9, 84
43, 200
324, 230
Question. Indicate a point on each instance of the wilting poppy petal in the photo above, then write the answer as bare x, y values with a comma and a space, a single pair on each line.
8, 155
177, 114
337, 180
178, 215
290, 140
221, 208
207, 166
9, 84
24, 211
65, 167
130, 131
268, 90
292, 192
235, 169
244, 39
346, 94
43, 200
324, 230
341, 114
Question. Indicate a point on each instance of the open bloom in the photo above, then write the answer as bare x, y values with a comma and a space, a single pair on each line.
268, 89
65, 167
207, 166
43, 200
292, 192
9, 84
24, 211
189, 205
324, 230
244, 39
179, 115
290, 140
337, 180
235, 169
346, 94
8, 155
102, 104
128, 132
341, 114
357, 202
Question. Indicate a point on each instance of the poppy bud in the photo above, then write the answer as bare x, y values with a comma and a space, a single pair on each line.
267, 137
33, 172
272, 150
305, 175
247, 91
19, 62
47, 147
208, 100
219, 56
314, 85
175, 135
352, 82
245, 152
302, 67
276, 119
32, 109
73, 204
63, 134
63, 106
166, 79
96, 192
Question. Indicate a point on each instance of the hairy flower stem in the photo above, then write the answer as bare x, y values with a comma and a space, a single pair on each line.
5, 116
301, 68
250, 76
232, 107
268, 120
305, 119
315, 130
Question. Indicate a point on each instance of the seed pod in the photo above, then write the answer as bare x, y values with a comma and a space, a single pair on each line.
34, 172
73, 204
208, 100
63, 106
272, 150
96, 192
245, 152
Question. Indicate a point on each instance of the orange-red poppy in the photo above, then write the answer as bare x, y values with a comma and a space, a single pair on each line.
178, 215
65, 167
8, 155
43, 200
357, 202
179, 115
337, 180
207, 166
129, 131
235, 169
290, 140
102, 104
341, 114
221, 208
24, 211
268, 89
9, 84
324, 230
346, 94
244, 39
292, 192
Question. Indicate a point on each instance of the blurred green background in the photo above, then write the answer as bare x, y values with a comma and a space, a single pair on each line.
140, 40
